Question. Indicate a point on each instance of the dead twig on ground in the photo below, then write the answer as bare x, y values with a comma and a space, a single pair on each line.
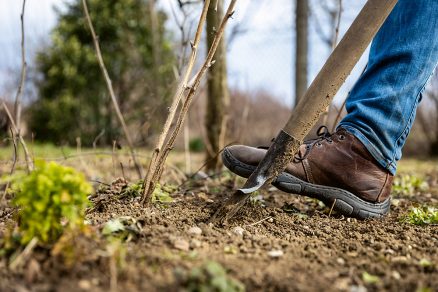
111, 90
331, 209
22, 257
258, 222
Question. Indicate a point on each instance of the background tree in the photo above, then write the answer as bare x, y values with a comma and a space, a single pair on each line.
73, 100
217, 91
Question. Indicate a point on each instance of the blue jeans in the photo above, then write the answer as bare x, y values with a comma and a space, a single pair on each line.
381, 106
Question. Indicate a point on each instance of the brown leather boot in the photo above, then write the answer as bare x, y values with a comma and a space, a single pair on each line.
332, 168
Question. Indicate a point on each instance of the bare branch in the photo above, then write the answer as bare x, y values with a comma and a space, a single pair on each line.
148, 184
17, 107
338, 23
29, 162
156, 171
111, 90
207, 64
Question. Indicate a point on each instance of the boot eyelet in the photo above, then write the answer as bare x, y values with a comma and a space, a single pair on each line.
330, 141
341, 137
318, 144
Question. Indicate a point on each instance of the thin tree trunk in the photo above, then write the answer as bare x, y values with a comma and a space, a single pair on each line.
301, 52
217, 90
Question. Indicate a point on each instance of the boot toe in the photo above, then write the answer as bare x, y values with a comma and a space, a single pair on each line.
246, 154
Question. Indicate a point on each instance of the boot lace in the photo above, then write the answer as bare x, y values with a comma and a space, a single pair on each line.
323, 134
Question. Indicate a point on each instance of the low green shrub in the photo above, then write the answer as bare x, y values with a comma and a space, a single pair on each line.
421, 216
50, 199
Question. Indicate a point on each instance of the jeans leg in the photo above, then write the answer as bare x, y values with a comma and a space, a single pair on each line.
381, 106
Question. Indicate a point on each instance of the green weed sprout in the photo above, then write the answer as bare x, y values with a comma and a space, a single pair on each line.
161, 193
50, 199
212, 277
408, 185
421, 216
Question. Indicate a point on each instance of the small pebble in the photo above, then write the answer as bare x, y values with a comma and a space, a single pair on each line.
181, 244
238, 230
275, 253
194, 243
195, 230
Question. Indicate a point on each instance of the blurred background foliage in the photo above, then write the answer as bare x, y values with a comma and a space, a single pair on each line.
73, 99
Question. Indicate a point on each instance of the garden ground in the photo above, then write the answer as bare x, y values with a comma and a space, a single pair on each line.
278, 242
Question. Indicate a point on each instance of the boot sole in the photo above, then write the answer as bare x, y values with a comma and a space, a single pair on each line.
346, 203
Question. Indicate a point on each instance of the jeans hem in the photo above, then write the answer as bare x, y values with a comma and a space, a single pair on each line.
374, 151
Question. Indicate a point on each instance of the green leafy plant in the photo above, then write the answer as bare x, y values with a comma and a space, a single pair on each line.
125, 228
161, 193
421, 216
256, 199
408, 185
211, 277
50, 199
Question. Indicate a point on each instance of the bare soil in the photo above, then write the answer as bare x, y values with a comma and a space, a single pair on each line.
278, 242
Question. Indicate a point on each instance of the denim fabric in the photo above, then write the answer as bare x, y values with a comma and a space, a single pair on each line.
381, 106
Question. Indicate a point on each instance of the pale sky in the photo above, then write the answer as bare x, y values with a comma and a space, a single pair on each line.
261, 58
